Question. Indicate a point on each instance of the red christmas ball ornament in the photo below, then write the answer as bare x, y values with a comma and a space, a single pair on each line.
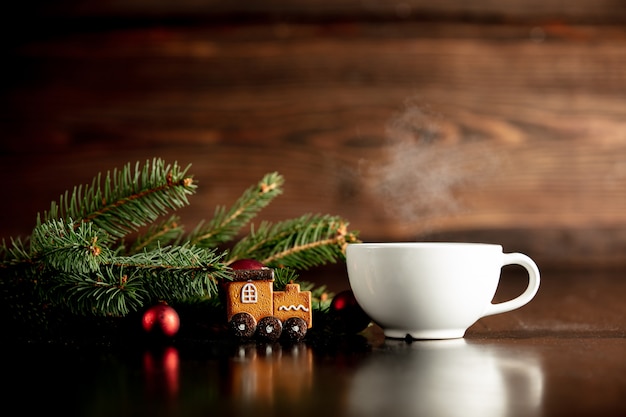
351, 317
161, 319
246, 264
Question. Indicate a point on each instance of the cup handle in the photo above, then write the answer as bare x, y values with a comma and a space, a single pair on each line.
532, 288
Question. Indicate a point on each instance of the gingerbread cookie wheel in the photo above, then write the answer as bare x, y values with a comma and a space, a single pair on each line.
243, 325
294, 329
269, 329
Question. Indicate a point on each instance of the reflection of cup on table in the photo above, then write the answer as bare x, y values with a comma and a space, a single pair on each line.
432, 290
446, 378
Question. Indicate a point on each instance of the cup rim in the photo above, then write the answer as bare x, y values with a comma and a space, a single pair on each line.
426, 246
423, 244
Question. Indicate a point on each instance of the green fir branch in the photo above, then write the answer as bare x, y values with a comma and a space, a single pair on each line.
225, 224
58, 245
283, 276
303, 242
163, 233
126, 199
177, 272
111, 292
14, 253
127, 283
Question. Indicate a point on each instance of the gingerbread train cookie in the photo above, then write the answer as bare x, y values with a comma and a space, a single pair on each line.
254, 309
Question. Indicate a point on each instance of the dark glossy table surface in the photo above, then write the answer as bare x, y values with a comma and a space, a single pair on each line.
564, 354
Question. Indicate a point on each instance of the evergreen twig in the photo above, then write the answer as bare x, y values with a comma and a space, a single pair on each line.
227, 223
165, 232
127, 199
303, 242
59, 246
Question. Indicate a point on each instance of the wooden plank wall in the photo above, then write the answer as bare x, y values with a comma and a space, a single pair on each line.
480, 121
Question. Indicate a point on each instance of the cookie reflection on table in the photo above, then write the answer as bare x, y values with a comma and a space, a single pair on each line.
260, 372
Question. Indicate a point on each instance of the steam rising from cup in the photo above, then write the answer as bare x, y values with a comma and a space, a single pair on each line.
427, 160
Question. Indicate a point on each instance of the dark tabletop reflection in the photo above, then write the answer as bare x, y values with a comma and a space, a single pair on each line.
446, 378
437, 378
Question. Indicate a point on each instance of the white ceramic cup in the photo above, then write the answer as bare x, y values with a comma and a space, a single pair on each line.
432, 290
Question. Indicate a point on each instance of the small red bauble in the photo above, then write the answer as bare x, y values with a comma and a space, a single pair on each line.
348, 311
161, 319
246, 264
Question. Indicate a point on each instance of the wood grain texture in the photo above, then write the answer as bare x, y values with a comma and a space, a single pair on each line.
411, 129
